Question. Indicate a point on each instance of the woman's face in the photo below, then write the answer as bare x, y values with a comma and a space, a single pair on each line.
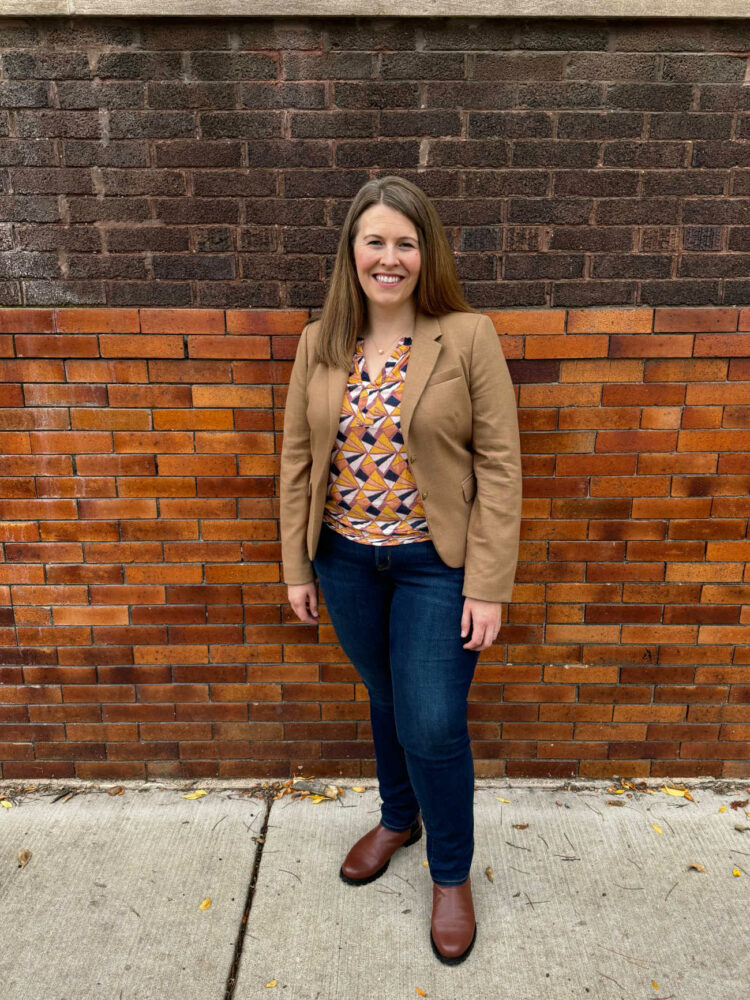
386, 245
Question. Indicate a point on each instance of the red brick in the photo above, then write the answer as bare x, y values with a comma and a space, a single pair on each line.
97, 320
182, 321
266, 322
56, 346
685, 320
26, 321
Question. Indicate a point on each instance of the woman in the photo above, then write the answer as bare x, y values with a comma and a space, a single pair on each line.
401, 492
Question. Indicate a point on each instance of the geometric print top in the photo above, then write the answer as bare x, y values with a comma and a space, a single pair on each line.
372, 496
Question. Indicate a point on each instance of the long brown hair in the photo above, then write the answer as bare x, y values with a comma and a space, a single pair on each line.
437, 292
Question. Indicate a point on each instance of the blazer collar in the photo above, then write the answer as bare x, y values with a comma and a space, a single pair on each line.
423, 354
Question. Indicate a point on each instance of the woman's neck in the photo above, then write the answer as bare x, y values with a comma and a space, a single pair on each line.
383, 323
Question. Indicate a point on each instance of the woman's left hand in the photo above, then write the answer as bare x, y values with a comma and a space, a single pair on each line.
483, 618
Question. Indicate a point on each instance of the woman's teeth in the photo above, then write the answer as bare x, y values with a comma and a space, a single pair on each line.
383, 280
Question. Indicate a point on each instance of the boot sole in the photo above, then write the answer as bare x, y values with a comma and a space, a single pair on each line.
371, 878
458, 958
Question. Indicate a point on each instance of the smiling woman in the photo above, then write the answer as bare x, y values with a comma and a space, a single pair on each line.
401, 493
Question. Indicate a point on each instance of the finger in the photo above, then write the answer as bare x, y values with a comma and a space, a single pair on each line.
475, 640
314, 604
465, 620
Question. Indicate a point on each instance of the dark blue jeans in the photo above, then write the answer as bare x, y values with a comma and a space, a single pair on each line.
396, 610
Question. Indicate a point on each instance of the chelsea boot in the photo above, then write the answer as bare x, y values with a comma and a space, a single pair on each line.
453, 928
371, 855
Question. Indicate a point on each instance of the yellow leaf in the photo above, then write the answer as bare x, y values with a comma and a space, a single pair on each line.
672, 791
195, 795
698, 867
205, 904
501, 800
689, 796
421, 992
424, 863
619, 791
272, 983
6, 804
358, 788
489, 873
722, 809
654, 985
736, 871
23, 858
657, 828
317, 798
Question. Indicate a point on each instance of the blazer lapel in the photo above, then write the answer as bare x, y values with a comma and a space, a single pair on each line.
423, 354
422, 357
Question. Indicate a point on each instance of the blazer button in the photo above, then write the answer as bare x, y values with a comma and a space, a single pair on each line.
424, 495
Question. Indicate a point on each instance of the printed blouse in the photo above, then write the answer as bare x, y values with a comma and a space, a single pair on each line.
372, 496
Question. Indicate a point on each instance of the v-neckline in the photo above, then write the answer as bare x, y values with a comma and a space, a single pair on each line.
365, 375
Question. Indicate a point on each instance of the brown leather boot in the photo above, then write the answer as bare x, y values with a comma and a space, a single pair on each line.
371, 855
453, 929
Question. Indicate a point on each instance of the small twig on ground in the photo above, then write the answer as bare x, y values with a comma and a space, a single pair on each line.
519, 846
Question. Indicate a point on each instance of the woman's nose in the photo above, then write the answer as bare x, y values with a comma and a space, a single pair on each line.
389, 254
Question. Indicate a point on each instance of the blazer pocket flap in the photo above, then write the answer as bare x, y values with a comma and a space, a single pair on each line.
469, 486
446, 374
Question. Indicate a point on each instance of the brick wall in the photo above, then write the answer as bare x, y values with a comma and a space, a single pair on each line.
170, 196
143, 624
194, 163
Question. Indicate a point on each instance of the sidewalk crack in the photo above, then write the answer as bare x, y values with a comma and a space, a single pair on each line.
231, 983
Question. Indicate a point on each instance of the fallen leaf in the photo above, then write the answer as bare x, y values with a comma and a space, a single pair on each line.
272, 983
421, 992
737, 872
116, 790
489, 873
737, 804
424, 863
673, 791
654, 985
698, 867
23, 858
722, 809
501, 800
689, 796
317, 798
520, 826
205, 904
6, 803
657, 828
195, 795
358, 788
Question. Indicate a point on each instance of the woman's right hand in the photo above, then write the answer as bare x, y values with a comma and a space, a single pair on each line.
303, 598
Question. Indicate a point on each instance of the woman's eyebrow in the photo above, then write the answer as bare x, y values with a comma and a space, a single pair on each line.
368, 235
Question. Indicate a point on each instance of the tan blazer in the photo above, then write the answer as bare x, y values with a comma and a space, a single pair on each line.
460, 428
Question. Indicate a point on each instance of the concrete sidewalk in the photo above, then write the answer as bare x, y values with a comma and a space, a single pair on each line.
588, 898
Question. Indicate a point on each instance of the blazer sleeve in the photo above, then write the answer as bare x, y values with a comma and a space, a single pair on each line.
294, 479
495, 518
